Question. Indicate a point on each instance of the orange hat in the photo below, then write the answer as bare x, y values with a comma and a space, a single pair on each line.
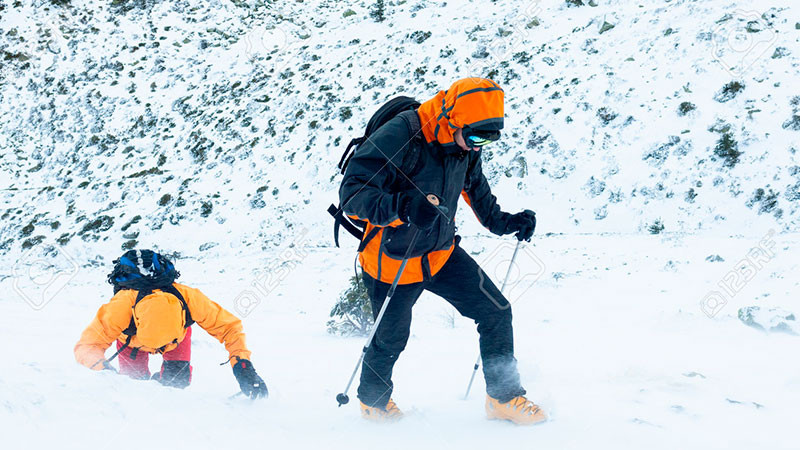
159, 319
477, 102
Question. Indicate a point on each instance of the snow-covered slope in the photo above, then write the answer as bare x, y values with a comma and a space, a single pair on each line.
216, 125
612, 343
211, 129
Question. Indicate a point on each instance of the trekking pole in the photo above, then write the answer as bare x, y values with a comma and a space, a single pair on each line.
502, 289
342, 398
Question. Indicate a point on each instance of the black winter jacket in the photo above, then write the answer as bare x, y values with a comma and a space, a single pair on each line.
374, 184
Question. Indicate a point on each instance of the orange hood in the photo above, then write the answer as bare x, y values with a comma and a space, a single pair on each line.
477, 102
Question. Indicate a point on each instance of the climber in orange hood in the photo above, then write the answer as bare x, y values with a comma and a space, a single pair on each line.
390, 195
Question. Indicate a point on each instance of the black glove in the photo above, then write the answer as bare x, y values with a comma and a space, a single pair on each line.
416, 209
252, 385
523, 224
177, 374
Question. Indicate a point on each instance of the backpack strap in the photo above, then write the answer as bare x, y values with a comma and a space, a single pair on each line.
131, 330
186, 313
348, 155
371, 235
124, 346
339, 219
411, 157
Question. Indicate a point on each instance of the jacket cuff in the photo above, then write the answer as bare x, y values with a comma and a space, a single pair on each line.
239, 355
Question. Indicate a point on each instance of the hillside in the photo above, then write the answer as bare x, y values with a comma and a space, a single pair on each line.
216, 126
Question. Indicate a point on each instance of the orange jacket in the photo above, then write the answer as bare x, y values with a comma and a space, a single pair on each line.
115, 316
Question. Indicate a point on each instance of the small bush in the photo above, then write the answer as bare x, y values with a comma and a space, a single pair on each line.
352, 314
691, 194
685, 108
606, 115
206, 208
594, 187
658, 155
793, 192
766, 201
656, 227
102, 223
728, 149
27, 230
729, 92
419, 36
32, 242
166, 198
793, 123
378, 11
345, 113
348, 13
123, 6
780, 52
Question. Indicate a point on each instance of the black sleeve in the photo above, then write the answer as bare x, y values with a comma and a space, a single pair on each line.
481, 199
367, 190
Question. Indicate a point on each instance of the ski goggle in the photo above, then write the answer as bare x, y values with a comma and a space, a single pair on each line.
478, 138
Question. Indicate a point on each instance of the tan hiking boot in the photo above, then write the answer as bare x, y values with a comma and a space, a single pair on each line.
519, 410
389, 414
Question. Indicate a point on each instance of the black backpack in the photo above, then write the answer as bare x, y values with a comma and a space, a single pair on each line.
400, 105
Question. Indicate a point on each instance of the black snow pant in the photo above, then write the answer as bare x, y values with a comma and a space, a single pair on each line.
465, 286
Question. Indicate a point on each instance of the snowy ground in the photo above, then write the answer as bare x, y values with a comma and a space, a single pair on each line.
612, 341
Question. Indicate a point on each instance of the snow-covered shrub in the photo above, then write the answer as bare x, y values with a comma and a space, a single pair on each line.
594, 187
766, 200
656, 156
769, 319
729, 91
352, 314
794, 122
685, 108
728, 149
691, 194
656, 227
378, 11
606, 115
793, 192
